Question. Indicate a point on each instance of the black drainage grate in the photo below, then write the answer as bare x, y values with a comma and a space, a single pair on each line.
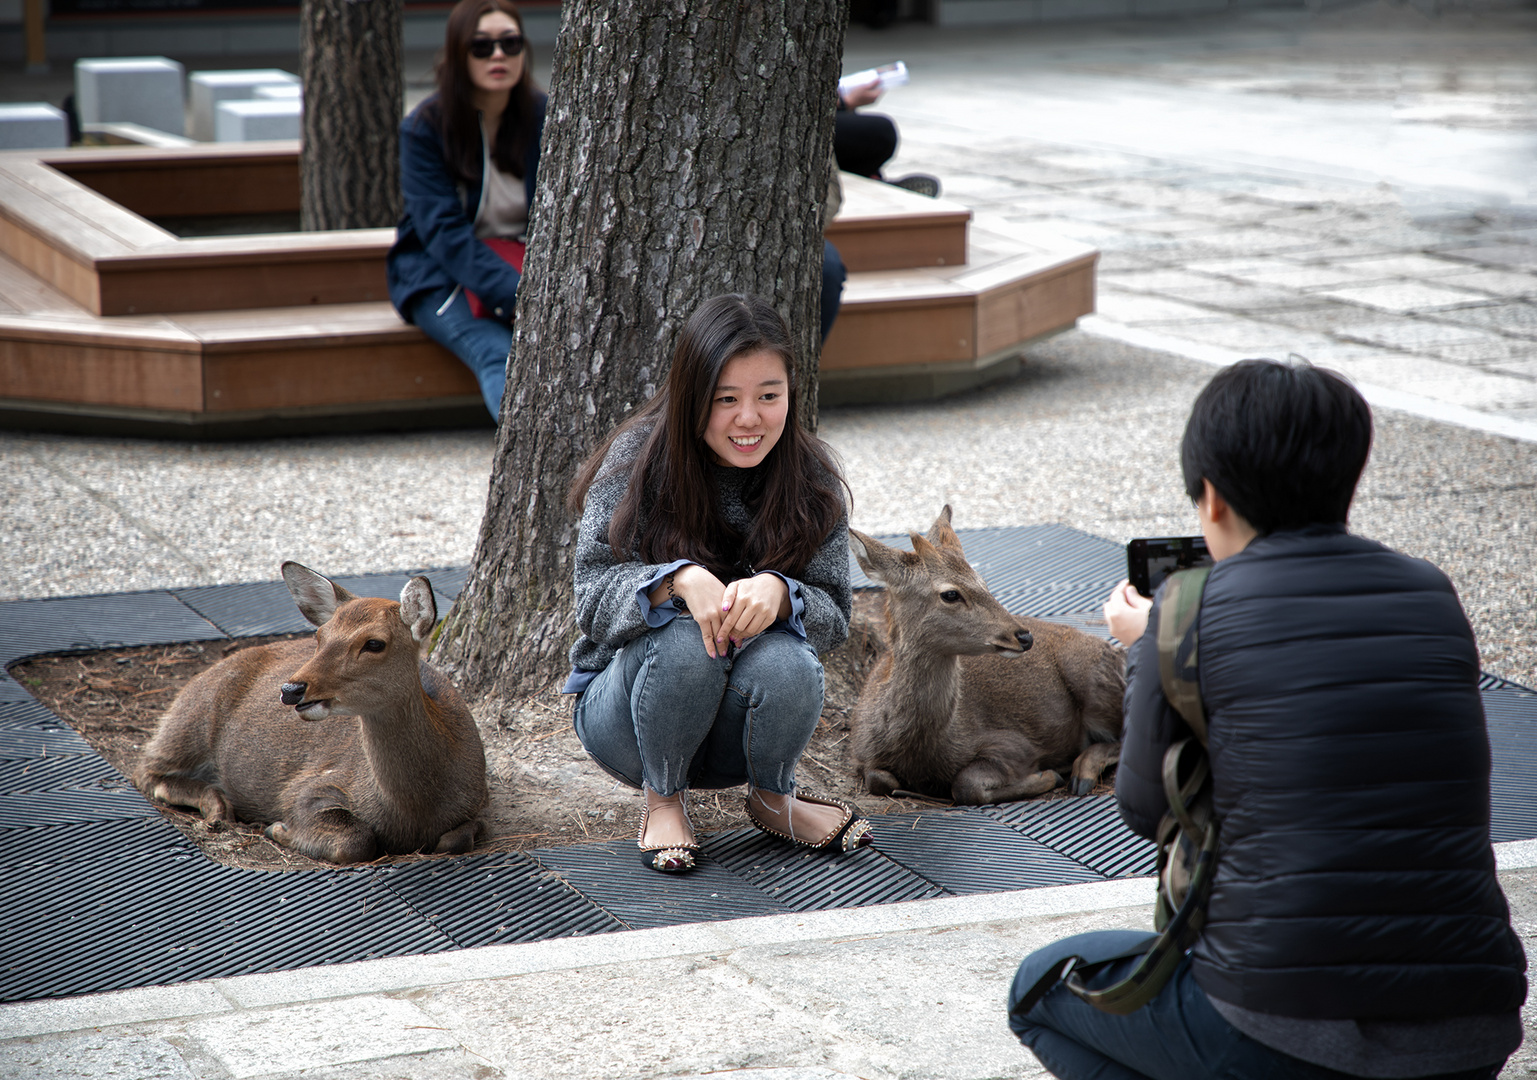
496, 900
805, 880
969, 852
1087, 830
611, 876
139, 919
30, 627
62, 773
1028, 558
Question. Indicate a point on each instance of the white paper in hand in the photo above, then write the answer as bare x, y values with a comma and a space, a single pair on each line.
889, 75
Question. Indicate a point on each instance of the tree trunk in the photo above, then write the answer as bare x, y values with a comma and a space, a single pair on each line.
354, 92
686, 154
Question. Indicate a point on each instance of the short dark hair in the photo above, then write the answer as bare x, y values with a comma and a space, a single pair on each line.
1283, 444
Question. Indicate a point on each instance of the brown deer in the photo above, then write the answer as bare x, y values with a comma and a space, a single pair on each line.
969, 701
402, 769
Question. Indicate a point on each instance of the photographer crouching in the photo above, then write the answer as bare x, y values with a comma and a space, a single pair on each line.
1354, 925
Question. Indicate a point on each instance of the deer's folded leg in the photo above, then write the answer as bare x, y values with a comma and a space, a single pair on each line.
208, 800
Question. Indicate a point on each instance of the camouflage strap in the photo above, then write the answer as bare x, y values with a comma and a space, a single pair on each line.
1178, 645
1182, 913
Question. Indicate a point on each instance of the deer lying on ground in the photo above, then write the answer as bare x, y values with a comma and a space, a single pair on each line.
971, 702
347, 745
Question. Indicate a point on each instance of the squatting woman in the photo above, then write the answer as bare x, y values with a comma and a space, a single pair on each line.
468, 157
711, 569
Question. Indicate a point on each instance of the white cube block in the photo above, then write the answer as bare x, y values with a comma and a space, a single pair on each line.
279, 92
247, 121
140, 90
34, 125
208, 88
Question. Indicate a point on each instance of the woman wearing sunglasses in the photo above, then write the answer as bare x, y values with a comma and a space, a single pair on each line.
468, 157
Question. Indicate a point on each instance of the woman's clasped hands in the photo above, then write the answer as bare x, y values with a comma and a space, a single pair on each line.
731, 613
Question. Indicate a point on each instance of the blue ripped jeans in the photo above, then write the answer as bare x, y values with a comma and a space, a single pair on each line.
666, 713
482, 344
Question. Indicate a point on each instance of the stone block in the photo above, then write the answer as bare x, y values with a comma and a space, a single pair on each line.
248, 121
278, 92
207, 89
33, 125
140, 90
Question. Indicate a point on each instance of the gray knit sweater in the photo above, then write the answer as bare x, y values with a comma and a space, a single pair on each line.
611, 605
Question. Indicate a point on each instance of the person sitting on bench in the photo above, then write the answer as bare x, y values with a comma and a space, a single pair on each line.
1356, 926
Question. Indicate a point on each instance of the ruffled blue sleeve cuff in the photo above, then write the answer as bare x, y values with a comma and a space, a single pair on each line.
797, 605
665, 612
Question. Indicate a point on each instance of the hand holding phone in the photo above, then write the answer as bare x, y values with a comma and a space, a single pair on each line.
1150, 560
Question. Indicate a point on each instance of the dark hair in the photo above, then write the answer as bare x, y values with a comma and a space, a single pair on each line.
669, 510
455, 108
1284, 444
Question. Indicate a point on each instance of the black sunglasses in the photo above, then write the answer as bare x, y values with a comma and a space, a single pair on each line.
482, 48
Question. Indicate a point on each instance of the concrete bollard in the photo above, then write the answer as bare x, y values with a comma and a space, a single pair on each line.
247, 121
208, 89
34, 125
140, 90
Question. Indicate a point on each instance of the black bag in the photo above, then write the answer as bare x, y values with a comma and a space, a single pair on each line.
1187, 835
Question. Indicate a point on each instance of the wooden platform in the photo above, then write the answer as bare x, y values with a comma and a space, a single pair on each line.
110, 322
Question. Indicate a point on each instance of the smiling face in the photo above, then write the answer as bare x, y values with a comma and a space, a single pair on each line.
498, 73
748, 409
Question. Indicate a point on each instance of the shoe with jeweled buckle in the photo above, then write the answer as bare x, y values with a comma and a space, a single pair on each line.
665, 858
850, 834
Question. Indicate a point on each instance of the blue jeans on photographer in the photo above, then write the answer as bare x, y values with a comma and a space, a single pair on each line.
482, 344
1178, 1035
666, 713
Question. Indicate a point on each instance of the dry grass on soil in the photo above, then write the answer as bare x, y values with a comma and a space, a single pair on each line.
545, 791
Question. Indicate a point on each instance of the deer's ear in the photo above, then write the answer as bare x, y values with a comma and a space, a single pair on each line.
418, 608
922, 548
317, 596
941, 534
874, 558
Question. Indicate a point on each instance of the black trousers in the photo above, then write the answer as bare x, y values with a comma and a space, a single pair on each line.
863, 142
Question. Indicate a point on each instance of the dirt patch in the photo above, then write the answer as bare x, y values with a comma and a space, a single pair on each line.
545, 791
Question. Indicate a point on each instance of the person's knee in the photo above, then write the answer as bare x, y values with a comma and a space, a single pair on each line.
676, 651
1094, 947
783, 666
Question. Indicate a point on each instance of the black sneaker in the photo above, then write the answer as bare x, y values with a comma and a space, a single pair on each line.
918, 183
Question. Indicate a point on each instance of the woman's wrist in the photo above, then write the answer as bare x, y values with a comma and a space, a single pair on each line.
677, 601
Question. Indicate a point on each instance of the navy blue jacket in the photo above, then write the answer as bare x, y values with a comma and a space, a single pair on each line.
435, 245
1350, 767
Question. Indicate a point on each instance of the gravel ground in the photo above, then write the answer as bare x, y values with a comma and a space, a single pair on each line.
1087, 436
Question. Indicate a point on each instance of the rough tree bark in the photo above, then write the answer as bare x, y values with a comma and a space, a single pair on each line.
685, 155
349, 162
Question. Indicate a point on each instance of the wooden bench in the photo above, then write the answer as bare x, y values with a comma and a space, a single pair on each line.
110, 322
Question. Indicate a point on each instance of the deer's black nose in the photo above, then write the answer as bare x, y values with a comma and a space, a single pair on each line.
293, 692
1021, 636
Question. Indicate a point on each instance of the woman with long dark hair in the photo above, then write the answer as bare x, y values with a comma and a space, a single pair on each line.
468, 158
711, 569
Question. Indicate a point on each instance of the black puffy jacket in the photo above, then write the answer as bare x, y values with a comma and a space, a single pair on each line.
1350, 769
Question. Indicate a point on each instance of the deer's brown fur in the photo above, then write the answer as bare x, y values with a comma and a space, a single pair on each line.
347, 745
971, 702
